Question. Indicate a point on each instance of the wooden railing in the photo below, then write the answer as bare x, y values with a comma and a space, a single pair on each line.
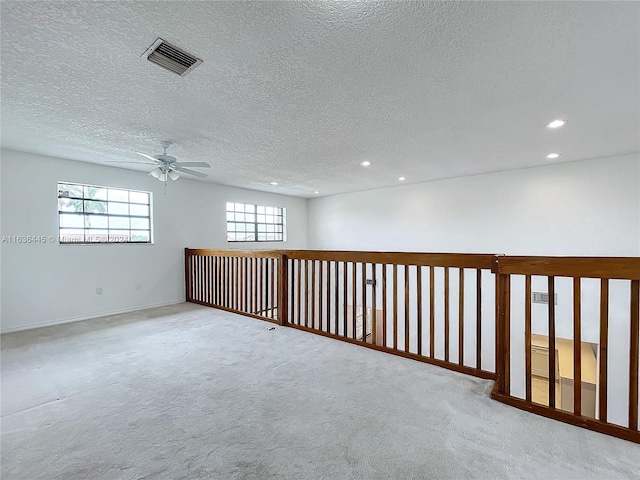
472, 313
240, 282
586, 297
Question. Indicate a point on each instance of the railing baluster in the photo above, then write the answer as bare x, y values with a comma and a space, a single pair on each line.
306, 293
406, 309
461, 317
328, 289
272, 304
299, 294
313, 294
336, 296
283, 292
633, 349
384, 305
577, 348
419, 306
395, 306
446, 314
374, 305
552, 343
507, 334
604, 342
363, 267
478, 319
432, 313
353, 300
344, 299
320, 296
527, 337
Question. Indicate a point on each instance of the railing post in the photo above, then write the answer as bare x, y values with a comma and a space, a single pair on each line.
283, 290
187, 275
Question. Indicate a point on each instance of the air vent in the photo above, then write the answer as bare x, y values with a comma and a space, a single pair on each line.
542, 297
171, 57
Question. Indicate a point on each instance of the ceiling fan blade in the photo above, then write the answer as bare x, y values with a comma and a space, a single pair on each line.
193, 164
154, 160
122, 161
190, 172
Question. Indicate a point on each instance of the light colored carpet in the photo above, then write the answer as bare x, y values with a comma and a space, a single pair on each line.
188, 392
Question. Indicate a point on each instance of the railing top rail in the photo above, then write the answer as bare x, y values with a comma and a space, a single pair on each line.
208, 252
457, 260
626, 268
460, 260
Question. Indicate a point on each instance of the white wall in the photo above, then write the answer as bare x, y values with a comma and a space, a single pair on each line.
584, 208
47, 283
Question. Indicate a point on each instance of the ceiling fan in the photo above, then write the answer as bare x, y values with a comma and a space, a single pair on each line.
168, 167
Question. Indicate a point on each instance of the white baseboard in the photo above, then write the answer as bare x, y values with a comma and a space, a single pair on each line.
62, 321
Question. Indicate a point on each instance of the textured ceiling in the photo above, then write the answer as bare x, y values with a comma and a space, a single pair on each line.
300, 93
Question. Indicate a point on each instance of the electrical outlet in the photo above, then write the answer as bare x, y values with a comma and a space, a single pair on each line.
138, 286
98, 290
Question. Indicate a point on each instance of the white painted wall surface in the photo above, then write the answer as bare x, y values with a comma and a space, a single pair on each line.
584, 208
45, 284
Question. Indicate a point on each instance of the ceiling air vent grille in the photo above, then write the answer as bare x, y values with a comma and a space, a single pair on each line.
171, 57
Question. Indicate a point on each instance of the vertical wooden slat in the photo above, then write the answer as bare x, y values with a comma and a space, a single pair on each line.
336, 296
272, 304
306, 293
254, 285
552, 343
260, 286
506, 353
432, 313
328, 291
461, 317
446, 314
406, 308
363, 282
633, 351
298, 296
200, 279
604, 343
527, 337
479, 319
384, 305
292, 291
419, 307
283, 290
577, 348
353, 300
374, 305
320, 296
395, 306
236, 279
344, 299
313, 294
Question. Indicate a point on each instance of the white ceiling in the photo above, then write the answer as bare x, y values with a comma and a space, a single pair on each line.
301, 93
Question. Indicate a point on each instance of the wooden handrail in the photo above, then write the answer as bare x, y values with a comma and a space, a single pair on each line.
586, 267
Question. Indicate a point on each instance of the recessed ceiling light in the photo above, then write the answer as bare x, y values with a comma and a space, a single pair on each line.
316, 192
553, 155
366, 163
556, 123
402, 179
274, 183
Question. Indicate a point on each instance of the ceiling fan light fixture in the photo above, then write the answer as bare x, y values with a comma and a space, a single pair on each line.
156, 172
173, 175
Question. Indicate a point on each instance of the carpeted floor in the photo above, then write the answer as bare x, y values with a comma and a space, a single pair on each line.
189, 392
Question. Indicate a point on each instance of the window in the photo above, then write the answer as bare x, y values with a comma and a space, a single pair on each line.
255, 223
92, 214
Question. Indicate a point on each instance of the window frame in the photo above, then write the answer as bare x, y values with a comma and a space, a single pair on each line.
111, 232
240, 211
